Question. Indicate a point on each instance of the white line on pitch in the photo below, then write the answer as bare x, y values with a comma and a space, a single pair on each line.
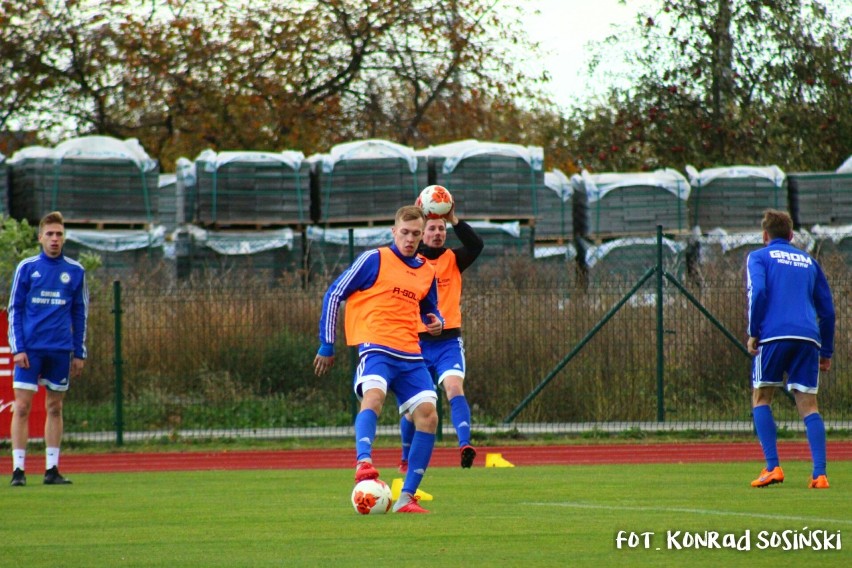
692, 511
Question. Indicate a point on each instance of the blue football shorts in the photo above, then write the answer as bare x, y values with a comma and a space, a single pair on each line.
799, 359
444, 358
48, 368
407, 379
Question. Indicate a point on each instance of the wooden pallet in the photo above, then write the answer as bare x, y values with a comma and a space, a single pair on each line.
355, 222
107, 224
601, 238
254, 225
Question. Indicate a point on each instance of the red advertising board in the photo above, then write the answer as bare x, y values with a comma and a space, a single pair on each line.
7, 393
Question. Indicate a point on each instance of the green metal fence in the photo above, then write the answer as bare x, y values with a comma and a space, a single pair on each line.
548, 351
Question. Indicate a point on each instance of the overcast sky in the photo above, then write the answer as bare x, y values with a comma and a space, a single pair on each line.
564, 28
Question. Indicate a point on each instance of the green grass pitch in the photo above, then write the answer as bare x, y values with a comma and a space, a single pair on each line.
523, 516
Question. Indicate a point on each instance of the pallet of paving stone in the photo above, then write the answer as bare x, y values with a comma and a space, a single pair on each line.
167, 202
637, 210
365, 189
492, 186
84, 189
330, 250
249, 255
820, 198
632, 203
734, 203
251, 193
628, 259
555, 219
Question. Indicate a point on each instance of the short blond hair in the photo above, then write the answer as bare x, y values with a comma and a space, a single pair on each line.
52, 218
409, 213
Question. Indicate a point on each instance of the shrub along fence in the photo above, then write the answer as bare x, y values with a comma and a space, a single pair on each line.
232, 357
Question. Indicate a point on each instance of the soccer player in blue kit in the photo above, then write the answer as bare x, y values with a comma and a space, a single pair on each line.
444, 354
48, 312
791, 330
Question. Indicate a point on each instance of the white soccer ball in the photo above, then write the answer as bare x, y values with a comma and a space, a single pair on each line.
435, 200
372, 497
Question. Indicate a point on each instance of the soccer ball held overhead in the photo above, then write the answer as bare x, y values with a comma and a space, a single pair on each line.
436, 201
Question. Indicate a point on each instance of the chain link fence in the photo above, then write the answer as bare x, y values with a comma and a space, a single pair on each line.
230, 356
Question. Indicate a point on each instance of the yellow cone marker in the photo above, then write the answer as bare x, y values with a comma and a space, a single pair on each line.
396, 489
497, 460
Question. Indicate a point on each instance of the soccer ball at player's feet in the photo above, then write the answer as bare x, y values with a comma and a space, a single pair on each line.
435, 201
372, 497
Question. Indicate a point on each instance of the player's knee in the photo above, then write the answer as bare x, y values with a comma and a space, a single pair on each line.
453, 386
762, 396
428, 423
454, 391
53, 406
806, 403
22, 409
54, 410
426, 418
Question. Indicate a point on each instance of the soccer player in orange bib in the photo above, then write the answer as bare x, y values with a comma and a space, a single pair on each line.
388, 292
444, 354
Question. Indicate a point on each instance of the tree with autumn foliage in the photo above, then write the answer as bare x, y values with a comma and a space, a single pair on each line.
182, 76
722, 82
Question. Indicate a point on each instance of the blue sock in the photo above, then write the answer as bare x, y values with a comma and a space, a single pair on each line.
767, 433
815, 428
365, 433
418, 460
406, 434
460, 415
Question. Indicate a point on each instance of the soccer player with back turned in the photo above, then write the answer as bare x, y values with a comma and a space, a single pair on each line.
791, 330
388, 290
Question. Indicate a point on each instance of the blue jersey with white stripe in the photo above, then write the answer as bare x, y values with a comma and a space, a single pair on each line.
49, 306
789, 297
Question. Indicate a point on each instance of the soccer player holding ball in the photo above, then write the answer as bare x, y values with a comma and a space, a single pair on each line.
444, 353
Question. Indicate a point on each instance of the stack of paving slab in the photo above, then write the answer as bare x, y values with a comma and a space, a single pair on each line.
366, 181
489, 180
628, 258
253, 254
331, 250
252, 188
734, 197
728, 250
821, 198
167, 202
123, 252
502, 239
633, 203
92, 179
555, 219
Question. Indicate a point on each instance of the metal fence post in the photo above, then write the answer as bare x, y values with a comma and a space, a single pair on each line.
118, 363
661, 411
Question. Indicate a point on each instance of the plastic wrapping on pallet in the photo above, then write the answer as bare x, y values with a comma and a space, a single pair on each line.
456, 152
91, 179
